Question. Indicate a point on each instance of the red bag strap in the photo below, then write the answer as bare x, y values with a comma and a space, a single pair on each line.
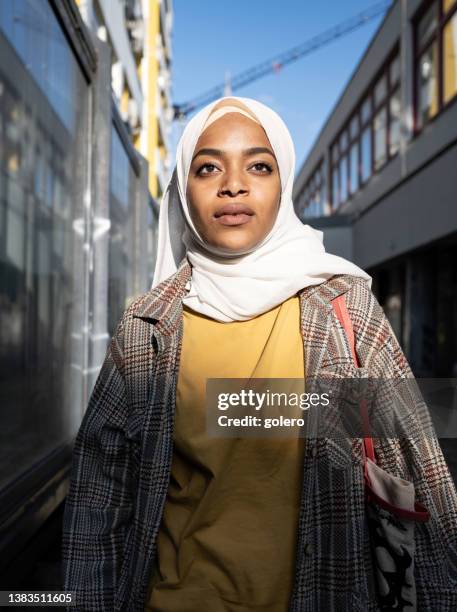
420, 513
341, 311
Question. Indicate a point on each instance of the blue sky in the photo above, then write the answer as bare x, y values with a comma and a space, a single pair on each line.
210, 38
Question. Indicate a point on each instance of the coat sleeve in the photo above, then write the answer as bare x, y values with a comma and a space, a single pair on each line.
417, 457
99, 503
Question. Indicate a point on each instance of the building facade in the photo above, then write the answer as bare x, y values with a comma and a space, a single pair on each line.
381, 178
77, 238
139, 36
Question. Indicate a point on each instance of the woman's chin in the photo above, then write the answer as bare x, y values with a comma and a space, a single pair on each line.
232, 248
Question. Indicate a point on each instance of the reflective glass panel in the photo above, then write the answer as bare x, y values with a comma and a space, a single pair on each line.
343, 141
427, 25
43, 177
366, 110
122, 182
380, 90
38, 41
427, 85
395, 71
380, 137
395, 123
354, 168
335, 188
354, 127
343, 179
366, 154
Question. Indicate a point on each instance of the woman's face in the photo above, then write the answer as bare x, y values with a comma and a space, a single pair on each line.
233, 187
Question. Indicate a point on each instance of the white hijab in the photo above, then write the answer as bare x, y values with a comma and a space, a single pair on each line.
236, 288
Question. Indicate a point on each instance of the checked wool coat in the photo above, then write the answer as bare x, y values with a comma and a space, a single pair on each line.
123, 453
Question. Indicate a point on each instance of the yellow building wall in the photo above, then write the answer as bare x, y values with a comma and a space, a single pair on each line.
150, 144
150, 95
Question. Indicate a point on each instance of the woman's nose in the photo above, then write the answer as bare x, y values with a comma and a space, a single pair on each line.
233, 183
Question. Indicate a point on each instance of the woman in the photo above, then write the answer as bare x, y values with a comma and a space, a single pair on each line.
162, 516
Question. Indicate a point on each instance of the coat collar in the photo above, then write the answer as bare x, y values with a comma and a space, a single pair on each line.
163, 304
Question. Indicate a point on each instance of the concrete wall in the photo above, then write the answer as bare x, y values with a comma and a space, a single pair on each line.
421, 209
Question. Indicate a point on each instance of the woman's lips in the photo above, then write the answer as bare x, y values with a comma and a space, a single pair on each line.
238, 219
234, 214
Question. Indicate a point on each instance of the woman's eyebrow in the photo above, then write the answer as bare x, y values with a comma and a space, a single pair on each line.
246, 152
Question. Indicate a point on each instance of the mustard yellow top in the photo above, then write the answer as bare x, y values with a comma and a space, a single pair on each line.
228, 533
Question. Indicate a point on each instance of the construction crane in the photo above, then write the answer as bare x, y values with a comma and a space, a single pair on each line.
275, 64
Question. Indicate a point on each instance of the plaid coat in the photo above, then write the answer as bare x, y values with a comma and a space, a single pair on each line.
123, 452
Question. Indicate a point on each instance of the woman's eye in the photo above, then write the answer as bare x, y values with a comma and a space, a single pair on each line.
262, 167
205, 166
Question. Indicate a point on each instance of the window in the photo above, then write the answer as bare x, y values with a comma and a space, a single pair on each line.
450, 59
366, 154
354, 168
380, 138
380, 90
312, 199
343, 179
395, 126
370, 137
394, 72
335, 188
436, 60
354, 129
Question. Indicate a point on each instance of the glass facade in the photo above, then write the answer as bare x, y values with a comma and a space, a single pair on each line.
122, 203
43, 172
68, 266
